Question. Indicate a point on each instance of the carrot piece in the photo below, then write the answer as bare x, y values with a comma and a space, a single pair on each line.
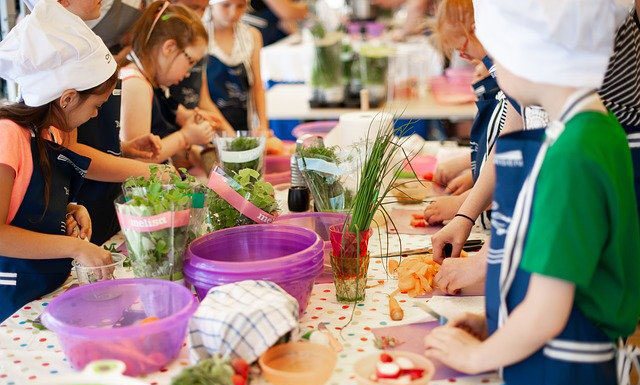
395, 311
393, 266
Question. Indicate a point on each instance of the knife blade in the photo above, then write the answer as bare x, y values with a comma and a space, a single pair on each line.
439, 317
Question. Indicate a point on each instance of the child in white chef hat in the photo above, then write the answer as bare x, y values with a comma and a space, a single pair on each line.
65, 73
563, 268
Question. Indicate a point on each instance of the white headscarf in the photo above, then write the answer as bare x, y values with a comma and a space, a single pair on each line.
52, 50
559, 42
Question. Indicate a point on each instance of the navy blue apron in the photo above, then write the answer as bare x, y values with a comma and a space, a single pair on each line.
582, 353
266, 21
24, 280
488, 122
102, 133
229, 89
633, 136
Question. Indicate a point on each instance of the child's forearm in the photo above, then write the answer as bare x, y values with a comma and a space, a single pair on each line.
481, 194
540, 317
16, 242
171, 145
109, 168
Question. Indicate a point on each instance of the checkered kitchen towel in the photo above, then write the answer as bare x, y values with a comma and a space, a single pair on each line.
242, 319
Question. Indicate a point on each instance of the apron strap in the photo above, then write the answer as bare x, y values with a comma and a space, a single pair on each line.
626, 356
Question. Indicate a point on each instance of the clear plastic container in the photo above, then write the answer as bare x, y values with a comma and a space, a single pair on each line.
289, 256
92, 274
141, 322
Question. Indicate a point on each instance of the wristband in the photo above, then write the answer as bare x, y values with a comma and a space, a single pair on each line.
465, 216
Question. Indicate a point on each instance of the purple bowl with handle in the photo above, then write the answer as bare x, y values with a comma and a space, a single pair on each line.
142, 322
287, 255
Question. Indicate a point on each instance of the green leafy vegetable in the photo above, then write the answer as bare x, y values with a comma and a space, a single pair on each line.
211, 371
258, 192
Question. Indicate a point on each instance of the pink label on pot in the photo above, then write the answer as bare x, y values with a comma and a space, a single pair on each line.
218, 184
154, 223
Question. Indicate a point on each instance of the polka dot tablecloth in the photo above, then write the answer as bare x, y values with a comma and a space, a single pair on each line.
28, 355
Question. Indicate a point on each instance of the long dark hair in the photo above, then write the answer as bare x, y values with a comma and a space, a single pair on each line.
39, 119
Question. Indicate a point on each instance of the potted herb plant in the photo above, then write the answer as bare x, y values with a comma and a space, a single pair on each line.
242, 152
248, 185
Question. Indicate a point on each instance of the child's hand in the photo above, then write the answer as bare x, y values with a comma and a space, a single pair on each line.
455, 348
198, 133
458, 273
147, 146
456, 233
78, 222
460, 183
474, 324
442, 209
89, 254
449, 169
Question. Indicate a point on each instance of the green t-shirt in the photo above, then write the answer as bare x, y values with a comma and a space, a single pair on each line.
584, 224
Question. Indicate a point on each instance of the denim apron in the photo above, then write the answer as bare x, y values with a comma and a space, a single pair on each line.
581, 353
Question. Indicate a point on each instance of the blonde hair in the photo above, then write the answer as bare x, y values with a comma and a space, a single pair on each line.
152, 29
453, 17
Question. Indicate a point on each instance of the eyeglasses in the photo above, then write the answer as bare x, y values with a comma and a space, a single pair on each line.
190, 59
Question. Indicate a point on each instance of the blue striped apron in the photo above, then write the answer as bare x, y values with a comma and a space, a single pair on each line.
581, 353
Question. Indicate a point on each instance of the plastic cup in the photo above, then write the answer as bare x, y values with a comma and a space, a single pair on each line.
91, 274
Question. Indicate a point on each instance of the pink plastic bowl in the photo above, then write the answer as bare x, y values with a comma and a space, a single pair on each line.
321, 128
104, 320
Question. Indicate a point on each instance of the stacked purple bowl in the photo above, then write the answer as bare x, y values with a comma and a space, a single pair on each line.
287, 255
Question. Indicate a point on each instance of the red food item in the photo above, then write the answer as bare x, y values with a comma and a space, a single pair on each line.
428, 175
414, 373
417, 216
241, 367
418, 223
384, 357
237, 379
387, 370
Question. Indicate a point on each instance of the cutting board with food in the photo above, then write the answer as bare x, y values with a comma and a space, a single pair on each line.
410, 221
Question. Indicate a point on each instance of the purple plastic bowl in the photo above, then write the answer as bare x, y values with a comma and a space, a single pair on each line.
321, 128
287, 255
83, 319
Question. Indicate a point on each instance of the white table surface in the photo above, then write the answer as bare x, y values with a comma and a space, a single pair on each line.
291, 101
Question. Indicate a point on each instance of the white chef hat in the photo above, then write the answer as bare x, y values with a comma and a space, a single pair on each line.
52, 50
559, 42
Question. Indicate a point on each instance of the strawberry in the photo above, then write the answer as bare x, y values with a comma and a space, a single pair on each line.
428, 175
237, 379
387, 370
414, 373
384, 357
417, 216
241, 367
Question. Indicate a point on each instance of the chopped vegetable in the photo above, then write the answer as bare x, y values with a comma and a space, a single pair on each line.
418, 223
416, 273
385, 342
393, 266
417, 216
395, 311
400, 370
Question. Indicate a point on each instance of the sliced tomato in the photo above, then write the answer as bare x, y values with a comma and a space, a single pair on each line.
428, 175
418, 223
417, 216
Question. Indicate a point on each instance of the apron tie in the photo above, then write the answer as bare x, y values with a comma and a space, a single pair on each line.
626, 356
